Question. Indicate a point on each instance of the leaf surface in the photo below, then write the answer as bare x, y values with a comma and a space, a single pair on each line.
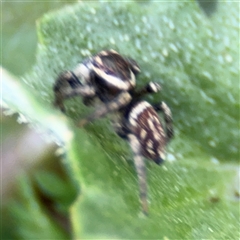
194, 194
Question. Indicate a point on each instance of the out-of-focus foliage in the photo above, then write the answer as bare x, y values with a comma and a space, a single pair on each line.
19, 37
192, 196
23, 150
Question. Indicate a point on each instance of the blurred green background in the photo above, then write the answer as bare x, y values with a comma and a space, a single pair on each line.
18, 50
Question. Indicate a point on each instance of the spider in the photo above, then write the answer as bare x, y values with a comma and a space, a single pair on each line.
111, 78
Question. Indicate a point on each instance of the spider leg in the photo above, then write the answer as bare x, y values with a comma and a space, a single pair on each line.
163, 107
64, 93
141, 171
151, 87
120, 125
121, 100
121, 129
133, 65
88, 101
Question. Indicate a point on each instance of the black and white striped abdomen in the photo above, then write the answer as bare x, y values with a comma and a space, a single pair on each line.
145, 124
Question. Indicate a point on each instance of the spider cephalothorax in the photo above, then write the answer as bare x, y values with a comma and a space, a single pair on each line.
111, 78
107, 76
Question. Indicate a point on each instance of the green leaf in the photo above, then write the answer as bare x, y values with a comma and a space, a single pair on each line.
18, 97
18, 47
62, 192
29, 218
194, 195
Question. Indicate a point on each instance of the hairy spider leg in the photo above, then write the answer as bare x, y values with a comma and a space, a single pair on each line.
141, 171
163, 107
120, 101
60, 96
68, 85
151, 87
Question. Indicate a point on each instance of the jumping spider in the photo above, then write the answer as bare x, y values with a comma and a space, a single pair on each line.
111, 78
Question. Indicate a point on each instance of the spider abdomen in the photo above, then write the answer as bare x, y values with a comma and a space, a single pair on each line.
145, 124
